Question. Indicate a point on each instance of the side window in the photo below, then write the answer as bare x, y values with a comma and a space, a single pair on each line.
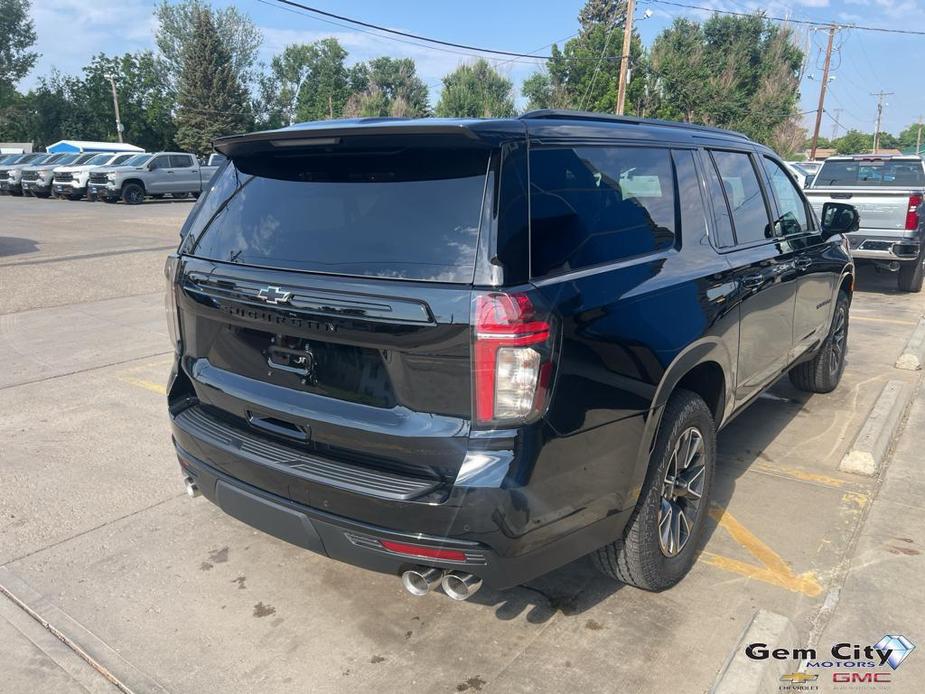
593, 205
790, 204
180, 161
222, 186
690, 197
724, 236
162, 162
743, 192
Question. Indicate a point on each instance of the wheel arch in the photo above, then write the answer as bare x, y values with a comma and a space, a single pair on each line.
133, 180
705, 368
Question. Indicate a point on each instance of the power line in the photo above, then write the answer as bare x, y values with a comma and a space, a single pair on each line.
791, 20
417, 37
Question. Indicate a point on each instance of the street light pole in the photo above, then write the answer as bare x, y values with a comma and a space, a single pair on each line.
115, 103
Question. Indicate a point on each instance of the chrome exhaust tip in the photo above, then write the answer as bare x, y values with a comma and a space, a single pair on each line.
192, 489
421, 580
459, 585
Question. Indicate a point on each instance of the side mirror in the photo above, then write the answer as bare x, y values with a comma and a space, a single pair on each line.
839, 218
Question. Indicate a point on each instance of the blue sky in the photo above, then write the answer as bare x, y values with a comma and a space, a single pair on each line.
70, 31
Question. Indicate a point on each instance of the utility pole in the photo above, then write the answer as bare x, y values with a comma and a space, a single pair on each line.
918, 137
879, 96
825, 83
115, 103
625, 56
838, 112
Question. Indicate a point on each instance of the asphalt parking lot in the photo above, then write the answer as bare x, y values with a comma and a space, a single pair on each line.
98, 539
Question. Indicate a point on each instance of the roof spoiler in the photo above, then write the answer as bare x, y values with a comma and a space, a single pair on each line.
332, 133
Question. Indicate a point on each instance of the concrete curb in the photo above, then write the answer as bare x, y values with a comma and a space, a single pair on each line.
119, 672
874, 439
914, 352
743, 675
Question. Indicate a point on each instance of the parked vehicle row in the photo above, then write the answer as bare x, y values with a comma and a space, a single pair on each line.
108, 176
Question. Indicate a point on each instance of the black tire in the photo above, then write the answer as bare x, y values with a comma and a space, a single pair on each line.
133, 194
74, 196
641, 558
911, 275
822, 373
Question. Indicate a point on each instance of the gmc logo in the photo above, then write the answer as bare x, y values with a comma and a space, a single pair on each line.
861, 677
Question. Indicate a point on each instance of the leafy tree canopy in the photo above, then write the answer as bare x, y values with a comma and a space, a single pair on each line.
476, 90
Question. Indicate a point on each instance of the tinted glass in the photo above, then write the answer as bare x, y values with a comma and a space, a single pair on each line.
99, 159
221, 187
180, 161
690, 197
871, 172
403, 213
137, 160
743, 193
82, 159
121, 159
791, 207
723, 219
593, 205
161, 162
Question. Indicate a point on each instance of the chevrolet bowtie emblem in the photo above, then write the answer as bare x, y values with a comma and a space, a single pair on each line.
274, 295
799, 678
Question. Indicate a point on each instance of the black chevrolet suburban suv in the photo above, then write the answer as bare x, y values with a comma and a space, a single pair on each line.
467, 350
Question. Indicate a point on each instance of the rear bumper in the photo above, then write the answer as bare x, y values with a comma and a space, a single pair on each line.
357, 543
882, 247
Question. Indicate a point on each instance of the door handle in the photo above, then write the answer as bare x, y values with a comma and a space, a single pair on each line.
752, 281
803, 262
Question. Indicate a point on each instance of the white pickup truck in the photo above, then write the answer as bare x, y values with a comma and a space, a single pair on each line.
888, 192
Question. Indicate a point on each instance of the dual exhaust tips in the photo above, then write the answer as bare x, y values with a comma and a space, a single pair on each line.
456, 584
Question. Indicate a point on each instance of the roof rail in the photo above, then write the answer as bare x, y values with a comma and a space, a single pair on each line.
565, 114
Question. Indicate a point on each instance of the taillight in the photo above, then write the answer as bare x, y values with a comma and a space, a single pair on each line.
170, 301
912, 214
512, 358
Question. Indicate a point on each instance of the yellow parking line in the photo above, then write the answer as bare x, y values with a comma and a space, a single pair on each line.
894, 321
798, 474
773, 569
147, 385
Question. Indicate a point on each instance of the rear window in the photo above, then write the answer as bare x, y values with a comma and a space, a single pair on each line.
403, 214
871, 172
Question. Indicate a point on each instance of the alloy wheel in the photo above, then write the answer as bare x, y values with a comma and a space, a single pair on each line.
682, 492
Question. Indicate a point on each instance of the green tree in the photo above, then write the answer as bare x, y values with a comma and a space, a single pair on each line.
476, 90
388, 87
18, 36
733, 72
910, 135
584, 74
238, 34
211, 100
145, 100
854, 142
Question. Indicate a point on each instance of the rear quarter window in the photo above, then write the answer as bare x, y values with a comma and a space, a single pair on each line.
594, 205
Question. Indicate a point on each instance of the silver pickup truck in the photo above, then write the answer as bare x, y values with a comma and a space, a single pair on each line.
177, 174
887, 191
